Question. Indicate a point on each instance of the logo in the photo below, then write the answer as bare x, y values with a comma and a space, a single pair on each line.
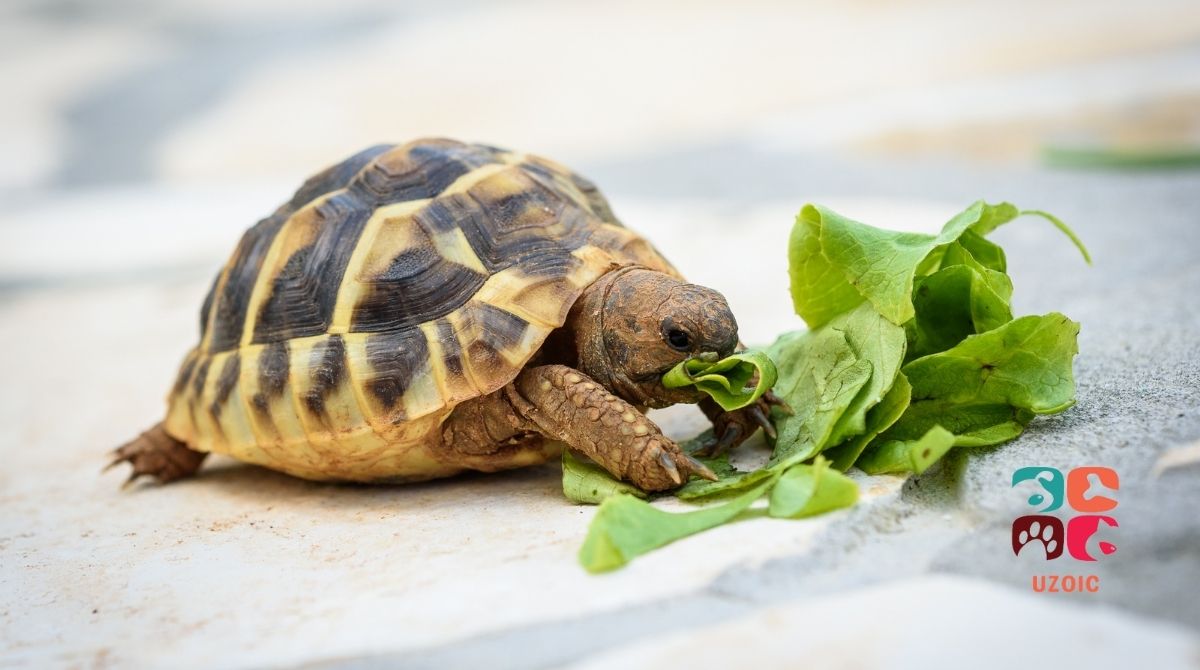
1092, 511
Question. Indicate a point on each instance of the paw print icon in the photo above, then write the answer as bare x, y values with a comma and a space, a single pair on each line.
1038, 529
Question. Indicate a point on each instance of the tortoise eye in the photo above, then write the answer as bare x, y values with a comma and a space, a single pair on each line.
679, 340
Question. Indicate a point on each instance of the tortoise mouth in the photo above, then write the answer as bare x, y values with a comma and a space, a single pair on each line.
658, 374
647, 390
654, 376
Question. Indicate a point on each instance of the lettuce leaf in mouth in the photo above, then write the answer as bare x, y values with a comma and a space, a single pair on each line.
727, 381
912, 350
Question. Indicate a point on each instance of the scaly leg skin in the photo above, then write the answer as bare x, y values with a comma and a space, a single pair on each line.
564, 404
732, 428
156, 453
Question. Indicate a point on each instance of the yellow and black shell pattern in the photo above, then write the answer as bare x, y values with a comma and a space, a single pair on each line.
392, 287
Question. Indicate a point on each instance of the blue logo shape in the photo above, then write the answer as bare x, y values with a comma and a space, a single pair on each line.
1052, 482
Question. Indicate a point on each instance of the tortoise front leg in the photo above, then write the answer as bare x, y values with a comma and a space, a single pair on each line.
564, 404
732, 428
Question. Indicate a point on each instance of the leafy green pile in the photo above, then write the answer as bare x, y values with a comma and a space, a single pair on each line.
911, 349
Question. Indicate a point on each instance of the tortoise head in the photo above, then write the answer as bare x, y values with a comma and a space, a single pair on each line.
634, 324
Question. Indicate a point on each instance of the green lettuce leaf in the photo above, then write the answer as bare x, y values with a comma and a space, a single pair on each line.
951, 304
809, 490
984, 390
882, 344
727, 380
987, 253
820, 290
836, 263
902, 456
820, 375
879, 418
587, 483
730, 482
973, 425
1025, 363
625, 527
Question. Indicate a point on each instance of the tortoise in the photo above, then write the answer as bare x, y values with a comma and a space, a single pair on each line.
423, 309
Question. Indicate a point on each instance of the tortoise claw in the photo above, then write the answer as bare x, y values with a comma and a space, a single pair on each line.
760, 417
668, 464
117, 460
773, 400
699, 469
722, 444
129, 481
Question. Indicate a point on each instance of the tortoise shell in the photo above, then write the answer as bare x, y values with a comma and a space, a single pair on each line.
391, 287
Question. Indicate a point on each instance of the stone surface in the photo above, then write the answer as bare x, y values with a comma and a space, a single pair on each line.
140, 141
909, 623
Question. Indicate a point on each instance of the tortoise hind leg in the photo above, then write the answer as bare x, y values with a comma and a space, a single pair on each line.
156, 453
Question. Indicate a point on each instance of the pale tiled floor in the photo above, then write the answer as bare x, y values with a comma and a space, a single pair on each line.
140, 138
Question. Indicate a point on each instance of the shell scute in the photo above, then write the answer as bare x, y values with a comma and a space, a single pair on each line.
392, 361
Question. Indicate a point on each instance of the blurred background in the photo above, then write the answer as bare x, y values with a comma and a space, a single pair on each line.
122, 92
173, 125
139, 138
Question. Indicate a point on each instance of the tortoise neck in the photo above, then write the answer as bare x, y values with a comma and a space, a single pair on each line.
587, 322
